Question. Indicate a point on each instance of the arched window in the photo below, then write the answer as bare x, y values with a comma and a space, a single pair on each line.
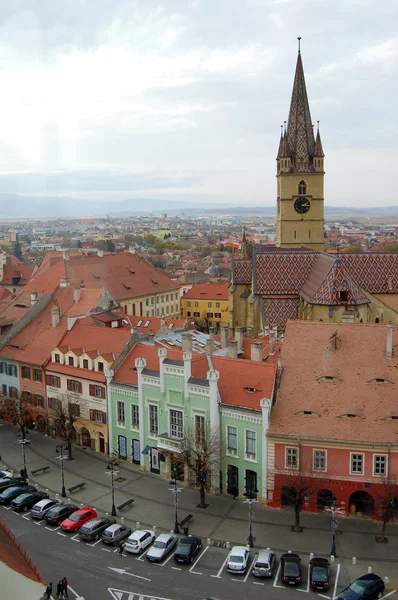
302, 188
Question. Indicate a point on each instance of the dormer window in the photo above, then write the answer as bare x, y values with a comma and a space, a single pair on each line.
343, 296
380, 380
350, 416
308, 413
101, 367
70, 361
251, 390
328, 378
57, 358
302, 188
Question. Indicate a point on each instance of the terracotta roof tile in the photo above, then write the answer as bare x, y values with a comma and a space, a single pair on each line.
210, 291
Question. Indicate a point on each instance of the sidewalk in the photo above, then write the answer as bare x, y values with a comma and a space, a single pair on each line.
224, 520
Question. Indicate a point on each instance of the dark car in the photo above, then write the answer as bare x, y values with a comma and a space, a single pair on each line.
8, 495
290, 568
6, 482
367, 587
93, 530
26, 501
319, 573
59, 513
187, 548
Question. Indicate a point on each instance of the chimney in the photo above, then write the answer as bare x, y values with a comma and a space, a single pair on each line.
271, 338
151, 338
256, 351
187, 356
100, 253
233, 349
224, 336
66, 255
186, 342
131, 249
239, 338
389, 341
33, 298
76, 295
82, 284
64, 282
55, 315
209, 346
162, 354
212, 331
389, 283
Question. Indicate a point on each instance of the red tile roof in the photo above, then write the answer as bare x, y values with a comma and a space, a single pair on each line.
14, 556
208, 291
355, 356
17, 274
53, 367
155, 323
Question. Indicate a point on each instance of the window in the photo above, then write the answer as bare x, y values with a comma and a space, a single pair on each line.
97, 391
157, 299
217, 315
357, 463
120, 413
4, 388
319, 460
153, 419
85, 363
176, 426
232, 440
196, 304
167, 298
152, 301
53, 380
71, 361
25, 372
379, 464
343, 296
2, 365
57, 358
101, 367
188, 313
74, 386
176, 295
291, 458
251, 444
209, 315
36, 374
200, 429
55, 404
209, 304
147, 302
73, 409
217, 305
302, 188
98, 416
135, 418
39, 401
12, 392
196, 314
189, 303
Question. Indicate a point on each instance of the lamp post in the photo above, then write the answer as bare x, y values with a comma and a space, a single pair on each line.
112, 472
175, 490
59, 448
333, 525
251, 495
23, 442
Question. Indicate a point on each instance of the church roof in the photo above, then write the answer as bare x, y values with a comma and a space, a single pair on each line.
375, 272
283, 272
318, 145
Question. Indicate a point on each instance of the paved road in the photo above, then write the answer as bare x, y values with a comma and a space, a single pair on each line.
89, 566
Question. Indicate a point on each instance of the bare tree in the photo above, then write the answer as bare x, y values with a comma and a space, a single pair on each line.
200, 452
16, 410
66, 411
387, 504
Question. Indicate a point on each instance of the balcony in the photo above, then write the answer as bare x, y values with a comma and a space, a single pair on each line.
165, 442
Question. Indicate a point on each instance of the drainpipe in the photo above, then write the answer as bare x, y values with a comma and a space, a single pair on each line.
140, 364
108, 377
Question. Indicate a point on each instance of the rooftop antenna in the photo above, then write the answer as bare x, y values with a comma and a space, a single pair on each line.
299, 40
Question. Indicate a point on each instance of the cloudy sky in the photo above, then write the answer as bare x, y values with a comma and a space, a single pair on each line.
183, 99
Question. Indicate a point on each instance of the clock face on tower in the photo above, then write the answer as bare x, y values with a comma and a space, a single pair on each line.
302, 205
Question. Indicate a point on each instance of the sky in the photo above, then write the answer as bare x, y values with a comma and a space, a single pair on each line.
183, 99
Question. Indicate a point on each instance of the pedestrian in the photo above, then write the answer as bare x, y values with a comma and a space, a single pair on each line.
49, 590
60, 589
65, 584
121, 547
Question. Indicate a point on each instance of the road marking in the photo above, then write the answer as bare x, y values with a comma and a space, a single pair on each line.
63, 534
323, 596
124, 572
36, 523
191, 570
218, 576
7, 507
336, 581
389, 594
300, 590
106, 550
141, 557
275, 584
26, 517
250, 568
96, 543
176, 568
166, 561
74, 538
308, 577
257, 583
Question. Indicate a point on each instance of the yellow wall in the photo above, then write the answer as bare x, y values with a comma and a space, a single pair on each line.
188, 305
156, 306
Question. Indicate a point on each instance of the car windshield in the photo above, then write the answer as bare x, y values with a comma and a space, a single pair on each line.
108, 533
84, 529
262, 565
320, 574
358, 587
183, 548
9, 492
75, 517
159, 544
291, 568
236, 559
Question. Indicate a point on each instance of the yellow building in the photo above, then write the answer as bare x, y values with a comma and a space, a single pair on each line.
206, 302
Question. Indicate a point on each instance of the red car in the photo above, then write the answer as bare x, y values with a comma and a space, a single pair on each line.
78, 518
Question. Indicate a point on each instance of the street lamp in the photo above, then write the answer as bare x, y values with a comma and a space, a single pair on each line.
59, 448
333, 524
23, 442
251, 495
175, 490
112, 472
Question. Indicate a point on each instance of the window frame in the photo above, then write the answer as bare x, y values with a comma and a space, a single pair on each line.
135, 416
291, 451
177, 416
120, 413
153, 418
200, 428
252, 456
314, 452
352, 454
230, 450
25, 372
375, 457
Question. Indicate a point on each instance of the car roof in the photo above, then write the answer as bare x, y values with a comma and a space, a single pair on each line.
163, 537
188, 540
319, 562
264, 553
239, 550
44, 501
291, 556
140, 532
84, 509
369, 577
113, 527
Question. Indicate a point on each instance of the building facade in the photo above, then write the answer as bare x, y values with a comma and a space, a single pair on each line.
206, 302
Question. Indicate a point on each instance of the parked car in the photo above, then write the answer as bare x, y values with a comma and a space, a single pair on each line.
139, 540
78, 518
238, 560
290, 568
187, 549
367, 587
6, 482
264, 563
93, 529
8, 495
26, 501
319, 573
114, 533
59, 513
39, 510
4, 474
162, 546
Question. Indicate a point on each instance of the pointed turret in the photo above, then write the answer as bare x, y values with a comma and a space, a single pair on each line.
244, 245
280, 144
299, 130
318, 152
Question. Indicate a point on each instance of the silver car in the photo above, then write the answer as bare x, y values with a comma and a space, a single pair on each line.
114, 533
162, 546
41, 508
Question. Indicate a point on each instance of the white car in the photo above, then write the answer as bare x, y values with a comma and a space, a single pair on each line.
163, 544
41, 508
238, 560
5, 474
139, 540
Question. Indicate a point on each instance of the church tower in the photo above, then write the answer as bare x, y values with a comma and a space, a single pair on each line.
300, 174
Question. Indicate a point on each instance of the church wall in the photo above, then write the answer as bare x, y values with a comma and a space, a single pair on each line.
379, 310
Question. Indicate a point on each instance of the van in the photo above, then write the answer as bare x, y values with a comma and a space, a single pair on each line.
264, 564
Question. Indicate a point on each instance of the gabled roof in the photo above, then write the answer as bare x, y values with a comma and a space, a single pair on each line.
95, 338
283, 272
207, 291
371, 270
18, 274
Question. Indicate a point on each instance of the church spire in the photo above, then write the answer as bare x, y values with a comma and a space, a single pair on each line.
318, 145
299, 130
